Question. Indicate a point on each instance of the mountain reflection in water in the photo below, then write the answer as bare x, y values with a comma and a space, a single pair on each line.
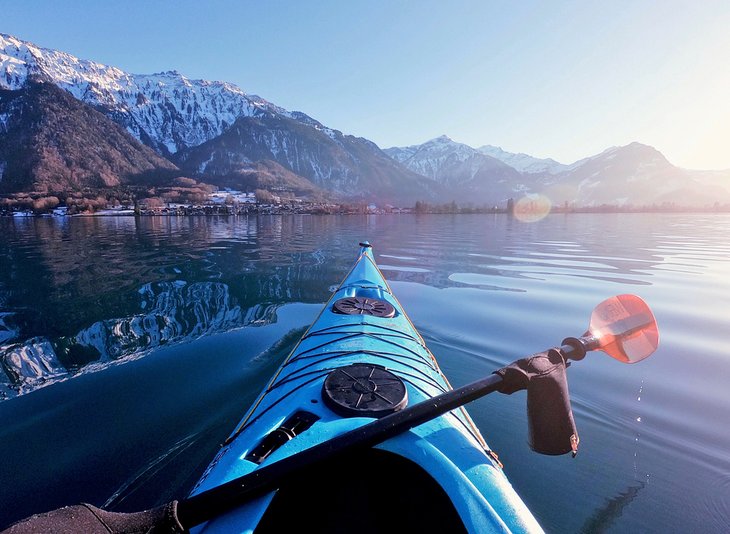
172, 312
77, 310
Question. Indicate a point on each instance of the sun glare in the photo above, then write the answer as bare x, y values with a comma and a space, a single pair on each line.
532, 208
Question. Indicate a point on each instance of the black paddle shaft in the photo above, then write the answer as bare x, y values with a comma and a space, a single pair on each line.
216, 501
181, 516
211, 503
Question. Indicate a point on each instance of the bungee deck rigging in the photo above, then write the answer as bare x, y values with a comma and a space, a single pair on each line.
402, 351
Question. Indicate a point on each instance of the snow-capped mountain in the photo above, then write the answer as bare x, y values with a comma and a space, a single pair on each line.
635, 174
469, 174
524, 162
437, 157
441, 158
166, 110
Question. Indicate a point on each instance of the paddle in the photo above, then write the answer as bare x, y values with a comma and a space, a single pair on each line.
622, 326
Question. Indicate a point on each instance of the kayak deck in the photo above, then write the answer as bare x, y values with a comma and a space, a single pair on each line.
363, 358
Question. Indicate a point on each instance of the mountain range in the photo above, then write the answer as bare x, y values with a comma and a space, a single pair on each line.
634, 174
67, 124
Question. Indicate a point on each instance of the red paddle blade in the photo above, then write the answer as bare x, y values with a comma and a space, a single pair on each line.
624, 328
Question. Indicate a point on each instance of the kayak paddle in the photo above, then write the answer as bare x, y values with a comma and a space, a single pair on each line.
622, 326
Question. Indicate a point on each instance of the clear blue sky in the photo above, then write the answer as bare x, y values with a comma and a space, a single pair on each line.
552, 79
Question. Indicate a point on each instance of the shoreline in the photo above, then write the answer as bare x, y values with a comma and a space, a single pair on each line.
218, 213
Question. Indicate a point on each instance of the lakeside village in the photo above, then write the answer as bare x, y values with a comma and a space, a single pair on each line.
224, 202
232, 202
208, 202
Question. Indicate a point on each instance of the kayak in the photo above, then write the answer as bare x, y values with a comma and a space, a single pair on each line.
363, 359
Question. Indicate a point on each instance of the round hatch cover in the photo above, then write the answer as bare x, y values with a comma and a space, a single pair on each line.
364, 306
364, 390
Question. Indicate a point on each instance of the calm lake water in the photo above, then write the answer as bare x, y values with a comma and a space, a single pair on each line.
157, 333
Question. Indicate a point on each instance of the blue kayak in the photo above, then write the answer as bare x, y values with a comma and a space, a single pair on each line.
360, 360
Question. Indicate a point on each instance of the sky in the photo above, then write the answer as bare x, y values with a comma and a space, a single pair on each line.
559, 79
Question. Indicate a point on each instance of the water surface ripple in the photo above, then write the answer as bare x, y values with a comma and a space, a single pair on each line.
131, 347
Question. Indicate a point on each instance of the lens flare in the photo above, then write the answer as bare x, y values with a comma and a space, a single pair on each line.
532, 208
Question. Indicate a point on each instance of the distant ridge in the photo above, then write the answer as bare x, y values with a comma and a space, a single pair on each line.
524, 162
469, 175
631, 175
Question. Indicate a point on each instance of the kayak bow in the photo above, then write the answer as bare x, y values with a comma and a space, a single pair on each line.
363, 359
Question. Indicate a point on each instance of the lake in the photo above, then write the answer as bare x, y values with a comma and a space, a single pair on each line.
132, 347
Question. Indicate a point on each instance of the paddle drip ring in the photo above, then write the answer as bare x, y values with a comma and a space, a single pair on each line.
364, 390
364, 306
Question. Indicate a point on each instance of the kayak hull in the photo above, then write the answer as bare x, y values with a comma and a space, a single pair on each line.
363, 358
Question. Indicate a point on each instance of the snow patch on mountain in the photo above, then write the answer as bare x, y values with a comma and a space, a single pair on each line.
4, 120
14, 71
524, 162
430, 158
